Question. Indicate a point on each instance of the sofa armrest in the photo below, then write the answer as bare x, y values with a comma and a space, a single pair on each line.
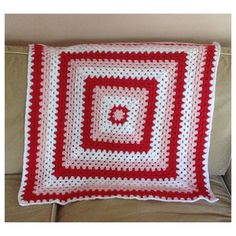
227, 178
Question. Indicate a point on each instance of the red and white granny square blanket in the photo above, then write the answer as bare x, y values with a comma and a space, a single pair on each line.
126, 120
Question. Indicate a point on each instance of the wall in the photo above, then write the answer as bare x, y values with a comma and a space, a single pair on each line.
56, 29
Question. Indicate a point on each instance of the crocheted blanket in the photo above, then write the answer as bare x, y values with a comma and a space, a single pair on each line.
127, 120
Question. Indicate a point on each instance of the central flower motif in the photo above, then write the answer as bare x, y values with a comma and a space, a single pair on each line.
118, 114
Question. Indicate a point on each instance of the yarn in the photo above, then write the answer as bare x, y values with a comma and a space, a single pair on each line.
126, 120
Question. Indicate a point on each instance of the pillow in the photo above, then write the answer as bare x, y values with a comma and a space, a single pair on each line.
127, 120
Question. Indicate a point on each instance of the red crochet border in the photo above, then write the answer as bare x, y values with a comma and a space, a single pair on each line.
65, 59
91, 82
28, 194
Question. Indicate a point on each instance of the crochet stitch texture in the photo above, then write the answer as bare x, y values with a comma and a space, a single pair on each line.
126, 120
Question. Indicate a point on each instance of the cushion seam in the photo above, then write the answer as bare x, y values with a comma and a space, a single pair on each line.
13, 52
223, 182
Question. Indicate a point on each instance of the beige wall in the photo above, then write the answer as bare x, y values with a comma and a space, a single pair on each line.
71, 29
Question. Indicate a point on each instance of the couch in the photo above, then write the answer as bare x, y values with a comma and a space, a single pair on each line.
117, 210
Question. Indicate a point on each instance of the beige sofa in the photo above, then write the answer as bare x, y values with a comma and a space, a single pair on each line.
115, 209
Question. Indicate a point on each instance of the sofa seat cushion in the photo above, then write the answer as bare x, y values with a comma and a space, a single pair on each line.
133, 210
16, 213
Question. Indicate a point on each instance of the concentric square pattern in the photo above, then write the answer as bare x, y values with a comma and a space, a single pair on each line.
118, 120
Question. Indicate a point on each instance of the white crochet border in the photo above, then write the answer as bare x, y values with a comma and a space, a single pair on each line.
210, 115
206, 156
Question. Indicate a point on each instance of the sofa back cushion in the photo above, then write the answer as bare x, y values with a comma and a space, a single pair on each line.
220, 149
16, 60
16, 78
